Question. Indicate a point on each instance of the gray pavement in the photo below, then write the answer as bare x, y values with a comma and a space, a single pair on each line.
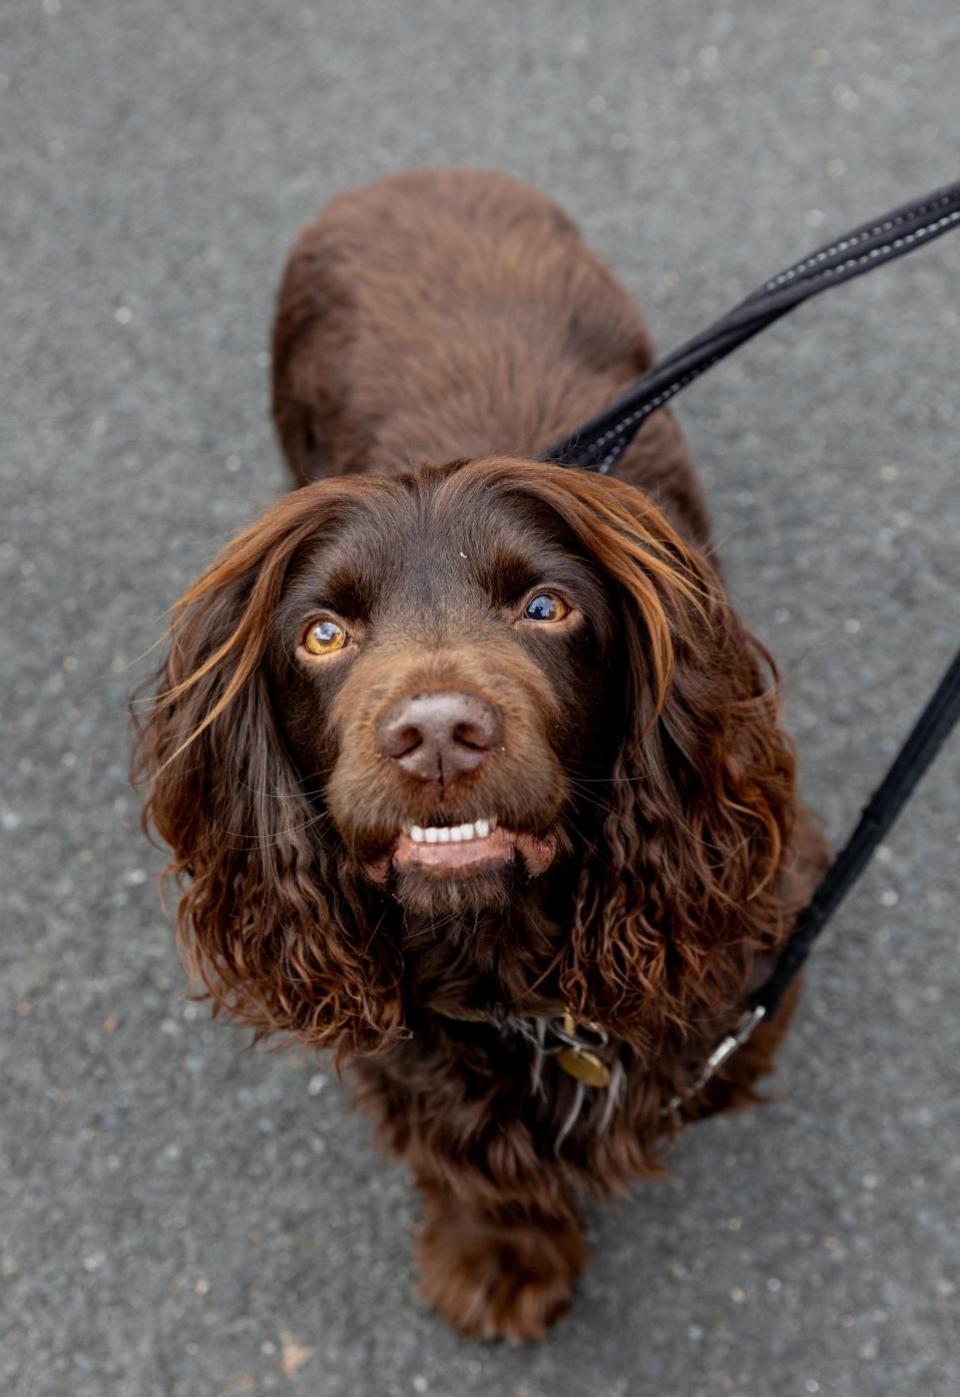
185, 1218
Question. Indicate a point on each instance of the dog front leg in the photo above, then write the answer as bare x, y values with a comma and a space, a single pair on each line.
498, 1269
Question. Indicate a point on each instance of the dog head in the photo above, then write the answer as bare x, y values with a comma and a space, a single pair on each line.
497, 705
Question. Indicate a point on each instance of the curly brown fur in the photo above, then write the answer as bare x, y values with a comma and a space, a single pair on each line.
433, 334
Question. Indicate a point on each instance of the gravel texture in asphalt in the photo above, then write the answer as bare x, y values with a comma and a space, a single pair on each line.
184, 1218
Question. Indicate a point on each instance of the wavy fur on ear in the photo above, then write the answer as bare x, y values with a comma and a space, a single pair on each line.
686, 886
266, 921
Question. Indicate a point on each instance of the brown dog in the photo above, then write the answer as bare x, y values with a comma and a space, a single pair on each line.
466, 761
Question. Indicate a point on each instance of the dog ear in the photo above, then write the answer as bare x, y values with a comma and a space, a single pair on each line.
267, 923
685, 890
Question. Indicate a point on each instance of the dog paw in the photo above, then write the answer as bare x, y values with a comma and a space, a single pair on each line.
496, 1280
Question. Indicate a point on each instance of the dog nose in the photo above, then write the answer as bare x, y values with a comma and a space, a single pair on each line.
441, 735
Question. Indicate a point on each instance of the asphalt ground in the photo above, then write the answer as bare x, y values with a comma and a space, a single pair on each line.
187, 1218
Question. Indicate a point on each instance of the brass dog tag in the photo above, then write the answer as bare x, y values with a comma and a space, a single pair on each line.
585, 1066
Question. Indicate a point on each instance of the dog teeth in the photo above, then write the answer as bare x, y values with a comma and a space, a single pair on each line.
452, 834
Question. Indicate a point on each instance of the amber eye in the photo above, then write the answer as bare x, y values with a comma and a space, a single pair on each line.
546, 606
324, 637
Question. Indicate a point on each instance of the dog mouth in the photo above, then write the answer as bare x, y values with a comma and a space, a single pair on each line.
465, 850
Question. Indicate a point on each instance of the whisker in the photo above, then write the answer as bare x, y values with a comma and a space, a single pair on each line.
257, 841
273, 795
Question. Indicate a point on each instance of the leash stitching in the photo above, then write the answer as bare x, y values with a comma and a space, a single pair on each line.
841, 246
618, 432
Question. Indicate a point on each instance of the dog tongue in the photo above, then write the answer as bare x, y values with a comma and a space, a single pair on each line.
497, 847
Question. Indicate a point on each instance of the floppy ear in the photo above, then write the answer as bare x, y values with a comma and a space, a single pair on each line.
268, 925
685, 888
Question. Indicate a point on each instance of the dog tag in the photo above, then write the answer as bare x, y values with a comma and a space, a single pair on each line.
585, 1066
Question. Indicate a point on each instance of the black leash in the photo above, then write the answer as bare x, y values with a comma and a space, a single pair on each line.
600, 443
930, 731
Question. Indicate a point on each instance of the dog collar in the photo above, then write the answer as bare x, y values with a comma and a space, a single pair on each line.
577, 1048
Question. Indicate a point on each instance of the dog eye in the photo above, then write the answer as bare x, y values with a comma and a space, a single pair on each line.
324, 637
546, 606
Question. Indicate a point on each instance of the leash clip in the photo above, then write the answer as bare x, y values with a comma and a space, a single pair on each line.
725, 1049
729, 1045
